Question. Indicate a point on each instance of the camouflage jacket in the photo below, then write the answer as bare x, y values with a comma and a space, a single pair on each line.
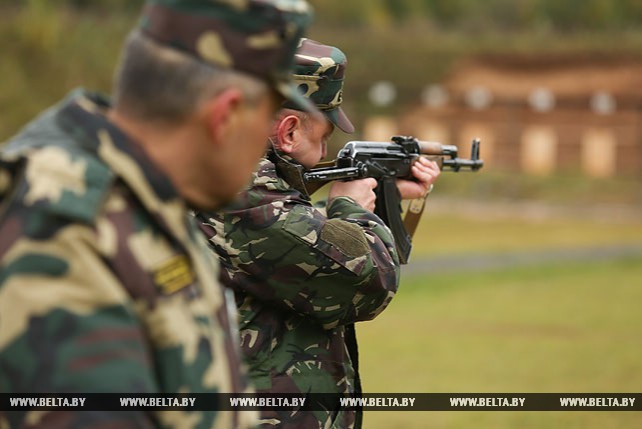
300, 277
105, 282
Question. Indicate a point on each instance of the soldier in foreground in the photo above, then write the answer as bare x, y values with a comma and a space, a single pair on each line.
302, 278
105, 283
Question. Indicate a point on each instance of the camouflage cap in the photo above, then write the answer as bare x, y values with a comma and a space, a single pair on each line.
258, 37
319, 72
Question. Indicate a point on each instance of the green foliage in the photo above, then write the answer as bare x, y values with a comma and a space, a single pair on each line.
502, 15
76, 4
49, 48
491, 15
444, 11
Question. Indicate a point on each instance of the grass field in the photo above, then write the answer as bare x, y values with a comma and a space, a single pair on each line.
463, 233
553, 327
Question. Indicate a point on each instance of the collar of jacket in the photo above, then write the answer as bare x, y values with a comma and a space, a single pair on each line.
83, 116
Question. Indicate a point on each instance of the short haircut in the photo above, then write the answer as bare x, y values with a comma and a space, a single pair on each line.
157, 83
303, 116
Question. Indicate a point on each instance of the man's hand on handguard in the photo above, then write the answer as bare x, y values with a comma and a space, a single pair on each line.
426, 172
361, 191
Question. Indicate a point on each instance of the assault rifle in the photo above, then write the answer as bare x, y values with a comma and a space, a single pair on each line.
387, 161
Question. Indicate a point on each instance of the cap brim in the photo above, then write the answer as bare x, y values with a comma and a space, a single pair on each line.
338, 117
294, 98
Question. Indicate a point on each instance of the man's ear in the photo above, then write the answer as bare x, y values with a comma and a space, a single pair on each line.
220, 112
285, 133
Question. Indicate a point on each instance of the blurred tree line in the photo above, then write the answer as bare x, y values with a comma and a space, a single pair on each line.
51, 46
498, 15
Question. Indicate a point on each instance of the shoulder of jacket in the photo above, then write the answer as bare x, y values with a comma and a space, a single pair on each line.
68, 183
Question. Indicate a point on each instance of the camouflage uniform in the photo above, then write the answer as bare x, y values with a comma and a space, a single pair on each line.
106, 285
302, 277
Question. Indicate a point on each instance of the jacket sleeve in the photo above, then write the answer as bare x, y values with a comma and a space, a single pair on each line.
337, 269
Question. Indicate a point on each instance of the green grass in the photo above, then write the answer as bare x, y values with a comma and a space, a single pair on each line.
551, 328
460, 233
